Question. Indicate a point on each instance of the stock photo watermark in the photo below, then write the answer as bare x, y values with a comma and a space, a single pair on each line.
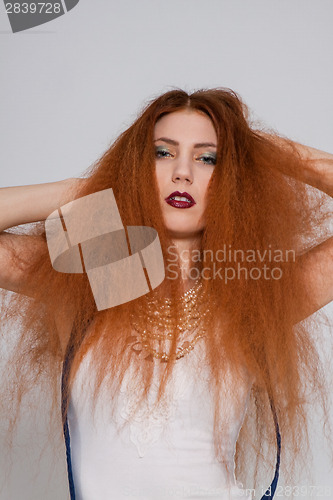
24, 15
286, 491
228, 264
87, 236
123, 263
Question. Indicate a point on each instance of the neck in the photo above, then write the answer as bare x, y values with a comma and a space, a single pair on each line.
184, 247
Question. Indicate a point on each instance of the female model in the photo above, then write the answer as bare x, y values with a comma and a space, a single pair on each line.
157, 391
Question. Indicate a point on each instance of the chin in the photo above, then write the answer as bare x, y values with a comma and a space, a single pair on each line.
184, 231
181, 226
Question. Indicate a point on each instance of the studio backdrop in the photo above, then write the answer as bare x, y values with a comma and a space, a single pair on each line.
75, 74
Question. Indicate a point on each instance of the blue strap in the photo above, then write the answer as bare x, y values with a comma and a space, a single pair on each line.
69, 462
268, 495
64, 399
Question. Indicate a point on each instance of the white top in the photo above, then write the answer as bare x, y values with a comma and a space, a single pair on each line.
161, 454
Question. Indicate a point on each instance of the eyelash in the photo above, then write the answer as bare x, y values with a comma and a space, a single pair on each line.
209, 159
161, 151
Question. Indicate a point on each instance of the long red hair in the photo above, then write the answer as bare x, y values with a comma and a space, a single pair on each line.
254, 206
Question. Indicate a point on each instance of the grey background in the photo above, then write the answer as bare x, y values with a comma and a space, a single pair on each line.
69, 87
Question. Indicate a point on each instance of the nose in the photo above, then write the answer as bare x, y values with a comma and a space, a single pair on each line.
182, 171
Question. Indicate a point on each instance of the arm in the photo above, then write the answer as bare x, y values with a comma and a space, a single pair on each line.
317, 266
24, 204
317, 263
318, 165
21, 205
318, 170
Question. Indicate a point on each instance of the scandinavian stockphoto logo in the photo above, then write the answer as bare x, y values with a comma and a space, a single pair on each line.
122, 263
24, 15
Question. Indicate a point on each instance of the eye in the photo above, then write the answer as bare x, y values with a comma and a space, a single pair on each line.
162, 152
208, 158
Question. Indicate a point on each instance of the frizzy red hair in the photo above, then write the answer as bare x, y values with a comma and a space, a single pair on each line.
254, 203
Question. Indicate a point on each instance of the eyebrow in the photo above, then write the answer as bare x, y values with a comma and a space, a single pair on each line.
198, 145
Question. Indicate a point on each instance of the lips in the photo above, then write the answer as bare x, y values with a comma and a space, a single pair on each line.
180, 200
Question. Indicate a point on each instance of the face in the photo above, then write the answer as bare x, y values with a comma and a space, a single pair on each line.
185, 151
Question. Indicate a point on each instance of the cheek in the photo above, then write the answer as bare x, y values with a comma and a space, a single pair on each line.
162, 175
160, 180
204, 183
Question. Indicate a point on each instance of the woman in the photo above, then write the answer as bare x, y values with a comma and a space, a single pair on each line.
158, 390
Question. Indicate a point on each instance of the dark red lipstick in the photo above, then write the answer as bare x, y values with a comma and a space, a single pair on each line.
174, 200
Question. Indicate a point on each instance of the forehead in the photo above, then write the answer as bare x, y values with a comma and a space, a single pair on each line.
187, 124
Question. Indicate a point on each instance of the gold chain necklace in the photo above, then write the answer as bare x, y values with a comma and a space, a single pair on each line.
192, 310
